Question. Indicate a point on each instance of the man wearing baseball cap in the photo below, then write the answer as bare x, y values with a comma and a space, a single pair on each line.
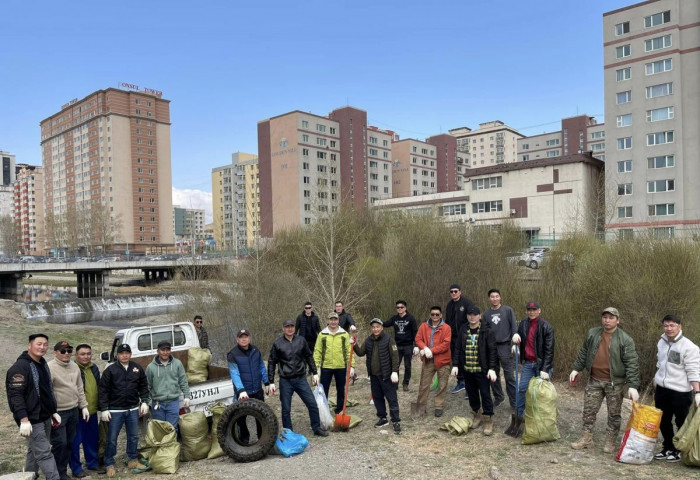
248, 374
167, 380
609, 355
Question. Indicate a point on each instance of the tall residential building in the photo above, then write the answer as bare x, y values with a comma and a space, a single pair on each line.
236, 202
577, 135
222, 206
7, 174
450, 168
415, 170
109, 154
492, 143
652, 105
29, 209
188, 225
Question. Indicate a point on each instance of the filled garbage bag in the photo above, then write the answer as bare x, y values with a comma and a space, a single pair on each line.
198, 360
540, 412
194, 432
323, 410
216, 410
289, 443
687, 439
641, 432
161, 449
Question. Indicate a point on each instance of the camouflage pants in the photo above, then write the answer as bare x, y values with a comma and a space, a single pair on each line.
596, 391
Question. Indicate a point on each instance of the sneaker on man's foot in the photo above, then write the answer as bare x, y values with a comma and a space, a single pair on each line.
458, 388
321, 432
674, 456
663, 454
438, 412
98, 470
111, 471
397, 428
405, 388
80, 474
382, 422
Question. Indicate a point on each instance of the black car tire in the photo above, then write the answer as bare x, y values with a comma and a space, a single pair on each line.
533, 264
226, 431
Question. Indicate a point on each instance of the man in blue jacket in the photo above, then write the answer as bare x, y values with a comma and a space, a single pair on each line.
248, 374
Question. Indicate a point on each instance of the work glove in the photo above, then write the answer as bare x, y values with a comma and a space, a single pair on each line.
415, 351
428, 353
105, 416
25, 429
544, 375
455, 371
514, 349
86, 414
353, 329
516, 339
697, 399
421, 352
572, 376
633, 394
394, 377
271, 389
242, 396
352, 372
186, 402
353, 340
315, 380
491, 375
56, 419
143, 409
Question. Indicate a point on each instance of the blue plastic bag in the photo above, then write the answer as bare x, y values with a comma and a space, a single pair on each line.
289, 443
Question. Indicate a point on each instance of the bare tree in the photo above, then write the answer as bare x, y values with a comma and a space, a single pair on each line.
10, 235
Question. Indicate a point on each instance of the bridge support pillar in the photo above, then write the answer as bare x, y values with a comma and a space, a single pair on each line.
12, 286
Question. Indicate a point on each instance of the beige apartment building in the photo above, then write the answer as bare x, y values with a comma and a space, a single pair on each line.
492, 143
652, 105
29, 209
577, 135
109, 154
414, 169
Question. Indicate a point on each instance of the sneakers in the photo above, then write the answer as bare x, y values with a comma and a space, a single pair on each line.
98, 470
382, 422
321, 433
397, 428
80, 474
674, 456
663, 454
136, 465
438, 412
458, 388
405, 388
111, 471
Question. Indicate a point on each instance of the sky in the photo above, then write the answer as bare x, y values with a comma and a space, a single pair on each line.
418, 68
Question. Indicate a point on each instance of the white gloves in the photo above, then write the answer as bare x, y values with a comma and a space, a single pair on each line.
242, 396
514, 349
143, 409
455, 371
394, 377
572, 376
315, 379
633, 394
491, 375
697, 399
353, 340
352, 372
415, 351
544, 375
428, 354
186, 402
270, 390
105, 416
86, 414
25, 429
353, 329
56, 419
422, 352
516, 339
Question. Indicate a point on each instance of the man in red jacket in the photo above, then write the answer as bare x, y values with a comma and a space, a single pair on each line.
433, 342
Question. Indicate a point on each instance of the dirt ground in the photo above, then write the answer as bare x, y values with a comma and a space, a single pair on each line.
422, 451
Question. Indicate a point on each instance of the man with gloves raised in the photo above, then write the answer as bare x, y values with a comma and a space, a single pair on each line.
504, 326
433, 342
609, 355
405, 329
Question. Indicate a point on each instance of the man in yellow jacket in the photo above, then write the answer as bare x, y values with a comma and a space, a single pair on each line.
331, 354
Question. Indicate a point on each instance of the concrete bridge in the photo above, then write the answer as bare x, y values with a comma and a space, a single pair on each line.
93, 277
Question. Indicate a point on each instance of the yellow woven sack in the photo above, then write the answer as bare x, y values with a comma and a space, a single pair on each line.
639, 440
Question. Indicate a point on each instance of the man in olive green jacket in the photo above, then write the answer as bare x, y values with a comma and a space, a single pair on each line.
610, 356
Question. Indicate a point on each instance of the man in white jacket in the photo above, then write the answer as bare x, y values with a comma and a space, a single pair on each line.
677, 382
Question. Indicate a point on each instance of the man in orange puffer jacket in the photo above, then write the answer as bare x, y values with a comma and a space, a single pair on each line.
433, 342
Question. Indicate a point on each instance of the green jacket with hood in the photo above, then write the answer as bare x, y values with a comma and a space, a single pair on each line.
166, 381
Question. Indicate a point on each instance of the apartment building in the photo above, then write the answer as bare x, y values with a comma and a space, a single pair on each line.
188, 226
450, 168
109, 154
492, 143
29, 209
578, 134
414, 170
8, 173
651, 71
222, 207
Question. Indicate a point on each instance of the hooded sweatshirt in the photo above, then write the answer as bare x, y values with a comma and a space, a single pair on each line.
437, 339
166, 381
67, 385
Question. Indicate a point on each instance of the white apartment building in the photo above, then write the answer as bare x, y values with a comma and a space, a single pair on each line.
492, 143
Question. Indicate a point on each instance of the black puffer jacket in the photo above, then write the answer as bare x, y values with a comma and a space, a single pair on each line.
345, 320
291, 356
308, 327
122, 388
24, 394
488, 355
544, 343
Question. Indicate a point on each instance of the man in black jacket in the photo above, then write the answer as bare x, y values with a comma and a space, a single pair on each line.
291, 354
308, 326
456, 318
405, 330
122, 388
33, 405
346, 321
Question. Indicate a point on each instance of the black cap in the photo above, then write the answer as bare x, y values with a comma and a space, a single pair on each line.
242, 332
60, 345
124, 347
161, 344
532, 304
455, 285
473, 310
288, 322
37, 335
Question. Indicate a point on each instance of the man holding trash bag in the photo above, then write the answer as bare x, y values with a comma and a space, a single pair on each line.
331, 355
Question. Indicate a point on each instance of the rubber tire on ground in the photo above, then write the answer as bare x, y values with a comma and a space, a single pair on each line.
533, 264
262, 414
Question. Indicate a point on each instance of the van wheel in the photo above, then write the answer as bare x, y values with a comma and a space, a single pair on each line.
265, 430
533, 264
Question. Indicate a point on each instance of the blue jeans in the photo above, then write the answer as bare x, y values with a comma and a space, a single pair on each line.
167, 411
299, 385
62, 439
87, 435
131, 420
529, 370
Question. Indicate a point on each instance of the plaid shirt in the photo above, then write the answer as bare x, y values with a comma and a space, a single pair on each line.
471, 350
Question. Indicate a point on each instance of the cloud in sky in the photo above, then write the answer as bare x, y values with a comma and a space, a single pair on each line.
190, 198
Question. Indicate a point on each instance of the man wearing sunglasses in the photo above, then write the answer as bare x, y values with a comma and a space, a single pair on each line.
433, 341
308, 325
456, 318
71, 403
202, 334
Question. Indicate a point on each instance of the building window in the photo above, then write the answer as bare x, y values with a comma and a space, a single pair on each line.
624, 212
332, 130
624, 143
374, 152
460, 209
657, 43
659, 138
662, 209
624, 189
526, 158
657, 19
526, 146
656, 186
553, 153
304, 124
663, 161
664, 232
624, 120
553, 142
623, 74
305, 152
623, 51
659, 66
660, 90
305, 165
625, 234
305, 138
307, 180
600, 134
321, 141
320, 128
624, 166
623, 97
659, 114
485, 207
486, 183
622, 28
